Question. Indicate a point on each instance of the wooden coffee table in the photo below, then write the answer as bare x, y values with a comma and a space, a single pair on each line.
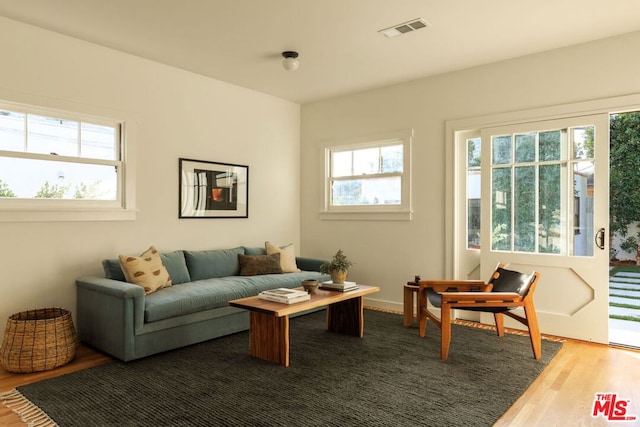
269, 321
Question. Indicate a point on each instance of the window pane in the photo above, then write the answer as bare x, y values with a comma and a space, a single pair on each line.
501, 149
473, 152
525, 209
501, 209
48, 135
11, 131
550, 208
98, 142
473, 209
582, 146
366, 161
583, 237
550, 145
375, 191
341, 163
525, 147
391, 158
28, 178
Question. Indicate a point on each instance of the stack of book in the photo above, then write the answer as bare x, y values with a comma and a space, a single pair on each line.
285, 295
342, 287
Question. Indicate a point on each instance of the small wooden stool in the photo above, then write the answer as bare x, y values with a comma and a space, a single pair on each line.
410, 301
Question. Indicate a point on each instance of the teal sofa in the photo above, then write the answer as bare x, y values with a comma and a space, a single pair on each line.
117, 317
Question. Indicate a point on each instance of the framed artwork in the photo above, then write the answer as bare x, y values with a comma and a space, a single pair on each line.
213, 190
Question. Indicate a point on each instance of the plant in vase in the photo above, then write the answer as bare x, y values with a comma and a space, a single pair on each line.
338, 267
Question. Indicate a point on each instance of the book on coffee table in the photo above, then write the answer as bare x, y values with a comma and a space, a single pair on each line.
342, 287
284, 295
284, 292
285, 301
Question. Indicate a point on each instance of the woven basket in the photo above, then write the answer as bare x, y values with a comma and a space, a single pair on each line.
38, 340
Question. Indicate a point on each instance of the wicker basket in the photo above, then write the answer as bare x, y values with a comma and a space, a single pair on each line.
38, 340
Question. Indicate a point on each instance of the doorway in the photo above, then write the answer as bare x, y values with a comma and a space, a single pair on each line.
624, 208
543, 190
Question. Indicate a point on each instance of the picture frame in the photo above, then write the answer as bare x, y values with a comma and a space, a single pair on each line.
213, 189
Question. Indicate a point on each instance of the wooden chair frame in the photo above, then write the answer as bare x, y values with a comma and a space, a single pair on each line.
466, 296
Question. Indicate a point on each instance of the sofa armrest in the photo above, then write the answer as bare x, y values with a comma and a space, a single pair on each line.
110, 287
103, 290
109, 314
309, 264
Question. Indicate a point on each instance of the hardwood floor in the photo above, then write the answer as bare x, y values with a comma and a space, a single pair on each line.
562, 395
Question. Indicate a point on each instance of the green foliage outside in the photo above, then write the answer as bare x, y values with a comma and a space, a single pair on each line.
524, 176
629, 245
348, 193
613, 288
49, 191
632, 306
91, 191
624, 268
5, 191
623, 296
628, 318
55, 191
624, 177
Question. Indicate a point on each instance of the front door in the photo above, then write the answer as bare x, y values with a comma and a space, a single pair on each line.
544, 207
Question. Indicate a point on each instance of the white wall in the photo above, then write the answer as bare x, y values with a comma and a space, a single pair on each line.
390, 253
178, 114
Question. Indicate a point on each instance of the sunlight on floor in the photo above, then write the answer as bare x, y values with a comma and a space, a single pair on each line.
624, 333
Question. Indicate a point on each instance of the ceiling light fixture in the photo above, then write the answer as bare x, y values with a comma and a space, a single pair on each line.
290, 61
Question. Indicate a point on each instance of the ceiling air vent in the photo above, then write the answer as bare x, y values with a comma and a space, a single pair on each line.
405, 27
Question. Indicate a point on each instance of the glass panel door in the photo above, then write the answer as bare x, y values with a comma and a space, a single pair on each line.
541, 206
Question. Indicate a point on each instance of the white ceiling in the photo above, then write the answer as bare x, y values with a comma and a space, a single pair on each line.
240, 41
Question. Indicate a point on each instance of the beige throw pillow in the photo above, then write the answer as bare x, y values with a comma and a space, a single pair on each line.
146, 270
287, 256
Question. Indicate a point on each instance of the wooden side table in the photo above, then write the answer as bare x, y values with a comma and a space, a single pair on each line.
410, 301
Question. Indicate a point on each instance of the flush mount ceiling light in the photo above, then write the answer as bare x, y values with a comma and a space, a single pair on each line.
404, 28
290, 61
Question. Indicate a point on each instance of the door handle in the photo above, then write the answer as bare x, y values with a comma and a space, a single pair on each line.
600, 238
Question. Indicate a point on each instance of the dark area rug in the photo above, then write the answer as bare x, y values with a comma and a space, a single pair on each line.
391, 377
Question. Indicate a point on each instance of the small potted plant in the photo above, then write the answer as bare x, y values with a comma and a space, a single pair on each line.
338, 267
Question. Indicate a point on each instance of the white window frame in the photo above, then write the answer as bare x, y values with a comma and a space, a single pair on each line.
400, 212
44, 210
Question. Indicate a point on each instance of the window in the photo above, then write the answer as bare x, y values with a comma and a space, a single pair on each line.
529, 195
473, 164
369, 178
54, 163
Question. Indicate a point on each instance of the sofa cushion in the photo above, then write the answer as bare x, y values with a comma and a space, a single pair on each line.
173, 261
195, 296
213, 263
215, 293
249, 250
146, 270
112, 270
176, 266
255, 265
287, 256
